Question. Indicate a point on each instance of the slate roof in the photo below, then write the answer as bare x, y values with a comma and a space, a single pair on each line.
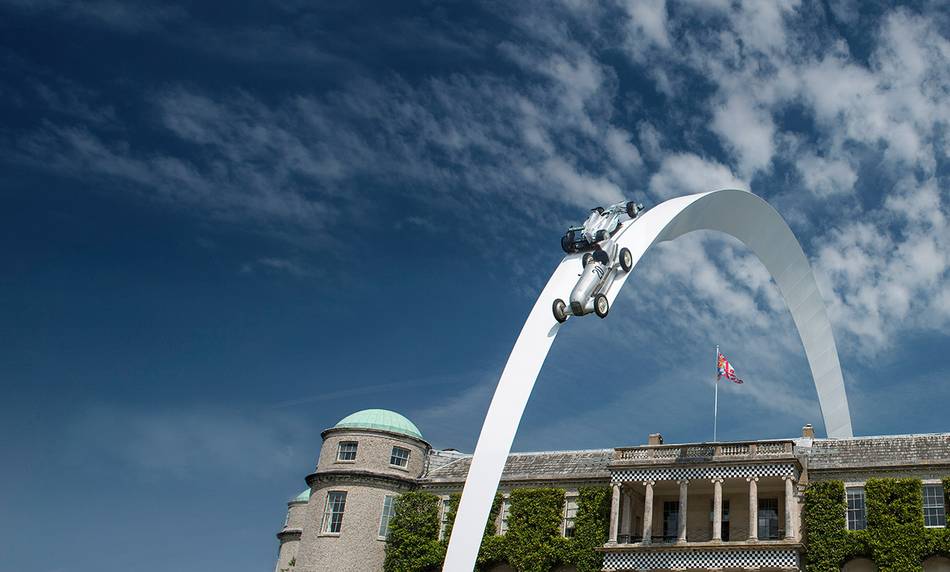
884, 451
550, 465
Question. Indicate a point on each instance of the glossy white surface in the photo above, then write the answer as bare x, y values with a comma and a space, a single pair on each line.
738, 213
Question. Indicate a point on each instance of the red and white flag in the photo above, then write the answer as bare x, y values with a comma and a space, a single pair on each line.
725, 370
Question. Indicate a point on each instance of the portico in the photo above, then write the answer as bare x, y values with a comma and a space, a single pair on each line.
701, 505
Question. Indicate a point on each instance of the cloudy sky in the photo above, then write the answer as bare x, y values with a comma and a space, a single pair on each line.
224, 228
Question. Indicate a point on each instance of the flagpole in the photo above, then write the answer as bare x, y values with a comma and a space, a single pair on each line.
716, 406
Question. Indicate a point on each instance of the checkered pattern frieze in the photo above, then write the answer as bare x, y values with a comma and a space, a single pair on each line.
707, 472
701, 560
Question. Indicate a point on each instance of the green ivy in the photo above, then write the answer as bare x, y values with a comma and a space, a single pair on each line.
533, 542
895, 523
413, 544
591, 529
452, 507
534, 524
895, 539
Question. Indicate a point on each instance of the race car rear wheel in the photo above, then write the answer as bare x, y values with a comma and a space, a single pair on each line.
626, 259
585, 259
601, 305
567, 245
559, 309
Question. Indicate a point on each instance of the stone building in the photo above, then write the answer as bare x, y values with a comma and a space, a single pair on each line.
695, 506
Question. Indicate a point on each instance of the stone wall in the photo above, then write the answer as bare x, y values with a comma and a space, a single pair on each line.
358, 546
373, 452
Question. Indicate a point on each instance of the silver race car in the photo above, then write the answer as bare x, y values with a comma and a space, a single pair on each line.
601, 263
600, 225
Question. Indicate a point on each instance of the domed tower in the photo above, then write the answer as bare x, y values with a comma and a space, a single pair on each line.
289, 535
366, 461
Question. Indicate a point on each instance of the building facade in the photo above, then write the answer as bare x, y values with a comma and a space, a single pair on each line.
696, 506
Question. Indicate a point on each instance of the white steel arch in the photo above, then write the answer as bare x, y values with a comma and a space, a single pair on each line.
738, 213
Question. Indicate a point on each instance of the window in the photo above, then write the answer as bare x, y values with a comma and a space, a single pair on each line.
333, 512
389, 509
399, 457
671, 519
346, 451
570, 513
935, 513
724, 530
768, 519
444, 521
505, 509
857, 516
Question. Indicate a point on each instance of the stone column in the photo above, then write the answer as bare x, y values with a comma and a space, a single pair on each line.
648, 512
681, 520
717, 510
789, 507
753, 508
626, 510
614, 514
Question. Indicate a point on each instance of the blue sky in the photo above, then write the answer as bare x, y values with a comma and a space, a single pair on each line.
226, 227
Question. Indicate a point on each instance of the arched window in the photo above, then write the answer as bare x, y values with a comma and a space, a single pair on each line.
937, 564
859, 565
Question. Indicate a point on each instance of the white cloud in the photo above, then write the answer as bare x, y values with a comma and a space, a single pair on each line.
647, 25
560, 130
747, 130
651, 140
686, 173
622, 151
582, 188
825, 177
881, 284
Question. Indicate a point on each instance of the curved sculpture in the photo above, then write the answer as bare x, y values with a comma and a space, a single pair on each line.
738, 213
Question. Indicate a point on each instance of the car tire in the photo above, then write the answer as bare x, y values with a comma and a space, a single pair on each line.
585, 259
626, 259
632, 210
559, 309
567, 245
601, 235
601, 306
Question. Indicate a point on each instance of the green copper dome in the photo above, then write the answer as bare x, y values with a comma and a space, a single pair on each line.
381, 419
303, 497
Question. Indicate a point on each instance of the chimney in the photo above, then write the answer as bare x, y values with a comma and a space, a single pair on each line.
655, 439
808, 432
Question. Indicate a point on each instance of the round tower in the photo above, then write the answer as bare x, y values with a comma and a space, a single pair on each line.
366, 461
289, 535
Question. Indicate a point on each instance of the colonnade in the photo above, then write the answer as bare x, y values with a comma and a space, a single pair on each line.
618, 498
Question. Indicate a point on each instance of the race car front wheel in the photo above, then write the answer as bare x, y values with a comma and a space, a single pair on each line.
559, 310
585, 259
601, 306
626, 259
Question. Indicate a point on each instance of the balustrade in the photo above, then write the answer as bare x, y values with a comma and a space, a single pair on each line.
704, 452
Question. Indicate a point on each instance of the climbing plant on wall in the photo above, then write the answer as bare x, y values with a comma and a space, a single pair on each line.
895, 538
533, 542
452, 507
591, 529
534, 529
413, 543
